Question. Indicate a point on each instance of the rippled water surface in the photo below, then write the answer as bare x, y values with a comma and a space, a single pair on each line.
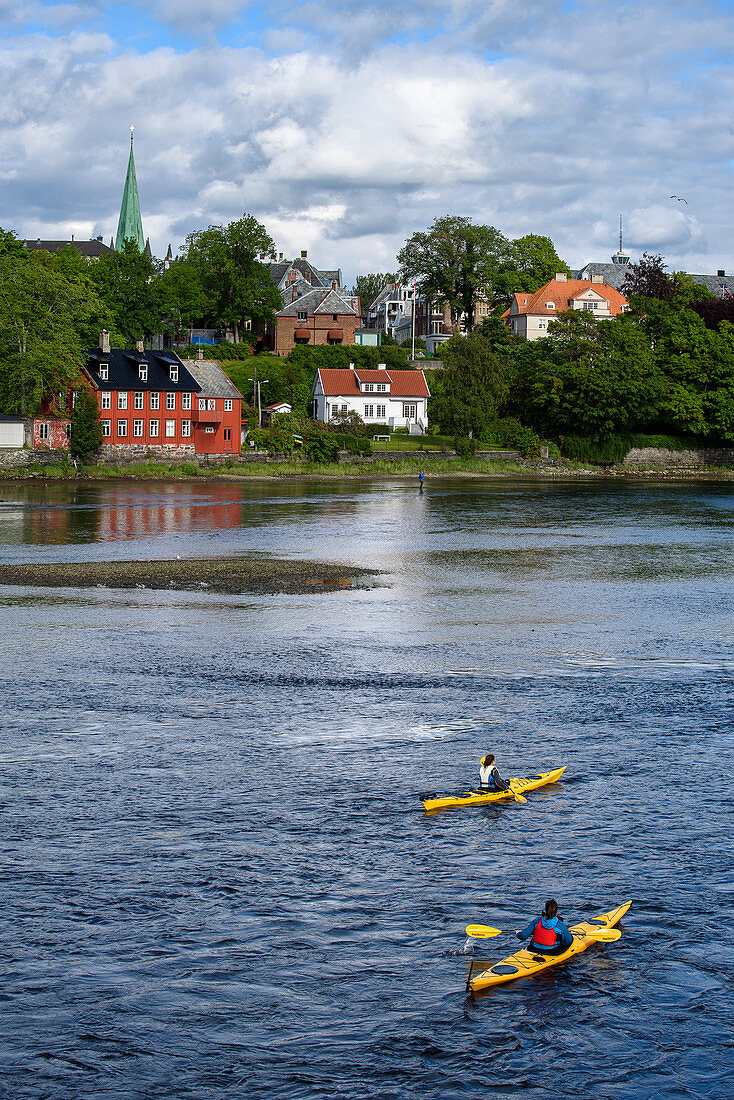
218, 880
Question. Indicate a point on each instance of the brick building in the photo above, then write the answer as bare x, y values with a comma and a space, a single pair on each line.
151, 403
317, 317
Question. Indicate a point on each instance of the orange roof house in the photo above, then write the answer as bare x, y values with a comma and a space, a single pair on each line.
530, 312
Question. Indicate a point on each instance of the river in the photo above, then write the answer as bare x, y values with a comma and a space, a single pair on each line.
218, 880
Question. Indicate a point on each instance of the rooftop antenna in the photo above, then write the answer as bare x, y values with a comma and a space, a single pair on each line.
620, 257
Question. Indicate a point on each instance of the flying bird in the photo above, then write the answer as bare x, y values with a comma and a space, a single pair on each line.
679, 199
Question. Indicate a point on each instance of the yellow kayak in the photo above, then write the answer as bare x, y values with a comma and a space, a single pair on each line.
479, 798
525, 964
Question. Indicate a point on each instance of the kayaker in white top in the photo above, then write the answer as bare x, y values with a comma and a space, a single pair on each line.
489, 776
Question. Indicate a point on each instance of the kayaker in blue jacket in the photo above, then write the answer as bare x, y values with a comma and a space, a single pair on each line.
489, 776
550, 935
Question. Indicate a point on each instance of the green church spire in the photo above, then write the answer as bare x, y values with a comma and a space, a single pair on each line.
130, 223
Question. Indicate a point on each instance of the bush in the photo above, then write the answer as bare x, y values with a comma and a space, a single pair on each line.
354, 445
351, 422
321, 447
464, 446
509, 432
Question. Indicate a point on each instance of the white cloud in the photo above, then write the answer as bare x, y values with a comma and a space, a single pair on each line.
599, 111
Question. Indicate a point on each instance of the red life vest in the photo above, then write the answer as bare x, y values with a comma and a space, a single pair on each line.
545, 937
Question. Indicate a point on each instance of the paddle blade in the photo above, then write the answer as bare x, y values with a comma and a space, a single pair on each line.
605, 935
482, 931
518, 797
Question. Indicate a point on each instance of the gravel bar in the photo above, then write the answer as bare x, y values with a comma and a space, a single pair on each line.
259, 575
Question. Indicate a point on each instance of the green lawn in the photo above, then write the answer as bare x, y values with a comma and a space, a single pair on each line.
414, 443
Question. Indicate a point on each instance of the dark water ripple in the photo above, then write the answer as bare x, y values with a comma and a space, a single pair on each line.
217, 881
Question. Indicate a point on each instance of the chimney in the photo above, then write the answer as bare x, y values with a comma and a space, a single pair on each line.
139, 347
291, 277
104, 341
99, 238
280, 257
721, 274
561, 277
295, 295
304, 254
382, 366
200, 352
333, 285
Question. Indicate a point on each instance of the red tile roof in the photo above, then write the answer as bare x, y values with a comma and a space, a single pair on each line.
373, 375
343, 383
563, 295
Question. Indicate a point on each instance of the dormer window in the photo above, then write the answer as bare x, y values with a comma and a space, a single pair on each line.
550, 305
368, 387
143, 372
104, 371
174, 372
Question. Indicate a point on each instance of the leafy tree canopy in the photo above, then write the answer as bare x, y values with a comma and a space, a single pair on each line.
532, 261
125, 283
236, 285
86, 430
183, 301
470, 389
369, 286
45, 318
455, 261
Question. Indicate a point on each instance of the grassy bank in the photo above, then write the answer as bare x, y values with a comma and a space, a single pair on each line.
410, 466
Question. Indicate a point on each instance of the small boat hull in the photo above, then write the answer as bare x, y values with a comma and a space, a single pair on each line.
478, 798
525, 964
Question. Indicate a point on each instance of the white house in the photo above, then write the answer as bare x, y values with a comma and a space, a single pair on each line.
395, 398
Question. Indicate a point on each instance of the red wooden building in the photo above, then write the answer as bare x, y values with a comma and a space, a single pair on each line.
151, 403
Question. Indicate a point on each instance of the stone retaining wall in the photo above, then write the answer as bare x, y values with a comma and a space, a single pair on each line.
428, 456
692, 459
124, 454
22, 459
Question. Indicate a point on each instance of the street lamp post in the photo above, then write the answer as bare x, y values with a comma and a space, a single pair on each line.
260, 382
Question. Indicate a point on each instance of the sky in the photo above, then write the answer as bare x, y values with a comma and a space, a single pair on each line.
345, 127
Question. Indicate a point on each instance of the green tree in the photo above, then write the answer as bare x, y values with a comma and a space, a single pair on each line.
86, 430
43, 316
125, 281
588, 377
455, 262
469, 391
532, 261
11, 245
183, 301
237, 286
369, 286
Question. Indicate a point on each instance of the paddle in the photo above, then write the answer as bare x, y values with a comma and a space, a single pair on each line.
485, 931
516, 796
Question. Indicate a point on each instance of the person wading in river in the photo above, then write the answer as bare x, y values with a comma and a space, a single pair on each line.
550, 934
489, 776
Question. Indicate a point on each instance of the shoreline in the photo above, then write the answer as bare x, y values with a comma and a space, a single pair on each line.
231, 576
529, 469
